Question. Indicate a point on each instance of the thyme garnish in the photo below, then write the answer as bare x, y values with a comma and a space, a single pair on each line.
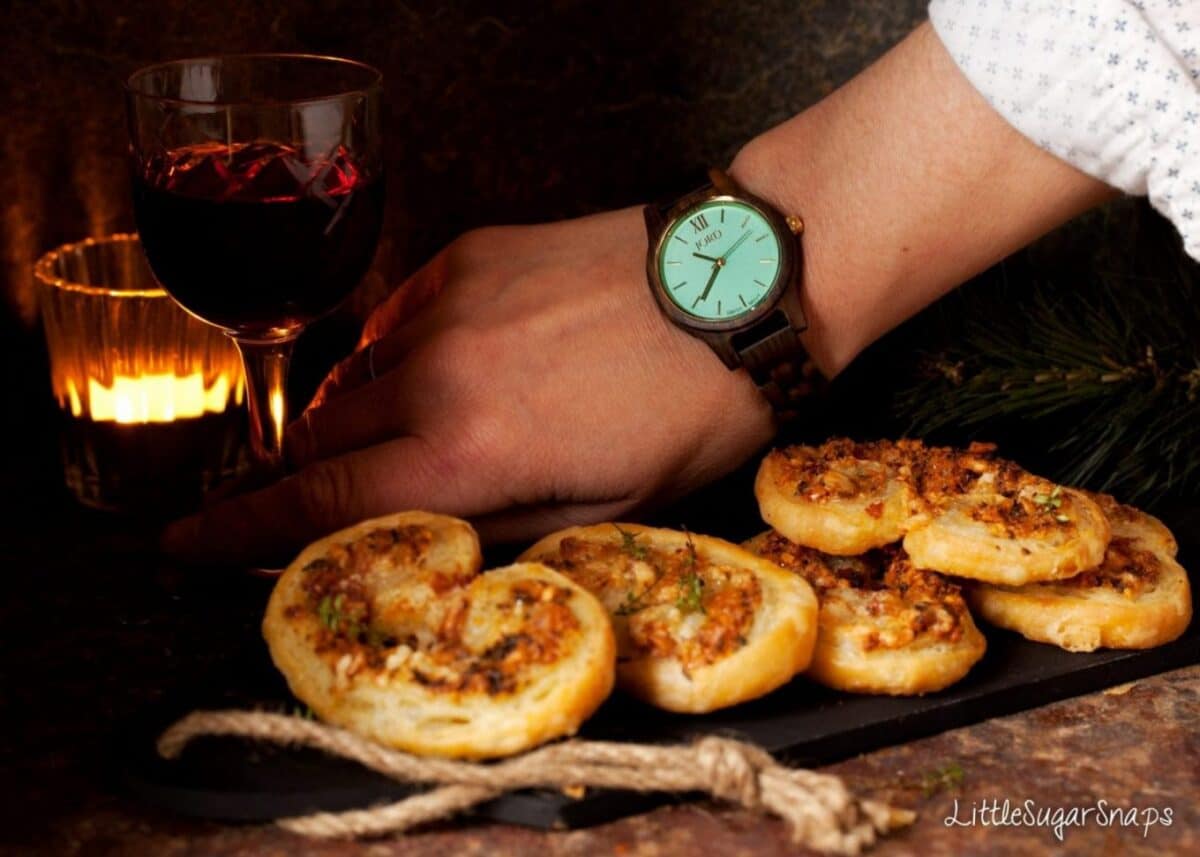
1050, 504
630, 544
631, 547
692, 597
630, 605
329, 611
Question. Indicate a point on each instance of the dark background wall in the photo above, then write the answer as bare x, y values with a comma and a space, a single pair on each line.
498, 112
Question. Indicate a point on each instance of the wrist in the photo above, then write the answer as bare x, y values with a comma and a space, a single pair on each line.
739, 418
766, 168
909, 183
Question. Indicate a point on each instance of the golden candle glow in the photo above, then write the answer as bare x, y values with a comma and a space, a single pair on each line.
152, 398
277, 411
147, 389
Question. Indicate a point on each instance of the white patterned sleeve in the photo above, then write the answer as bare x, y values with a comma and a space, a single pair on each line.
1111, 86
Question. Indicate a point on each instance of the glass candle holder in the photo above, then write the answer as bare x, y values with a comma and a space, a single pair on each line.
149, 396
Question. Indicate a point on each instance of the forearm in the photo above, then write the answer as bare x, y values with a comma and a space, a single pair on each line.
908, 184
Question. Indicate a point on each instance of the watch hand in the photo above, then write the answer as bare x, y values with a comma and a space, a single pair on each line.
707, 258
712, 279
736, 244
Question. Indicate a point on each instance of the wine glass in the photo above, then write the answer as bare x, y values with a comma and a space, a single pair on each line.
258, 194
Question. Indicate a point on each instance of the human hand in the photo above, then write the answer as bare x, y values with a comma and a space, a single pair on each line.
526, 379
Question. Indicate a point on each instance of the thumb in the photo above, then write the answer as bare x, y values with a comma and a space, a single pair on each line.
267, 527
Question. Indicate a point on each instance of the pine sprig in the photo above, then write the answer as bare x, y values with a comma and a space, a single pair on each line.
1094, 371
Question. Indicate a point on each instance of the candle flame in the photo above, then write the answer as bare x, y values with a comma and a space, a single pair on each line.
277, 408
153, 398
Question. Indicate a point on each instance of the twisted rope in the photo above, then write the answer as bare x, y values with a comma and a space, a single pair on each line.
819, 809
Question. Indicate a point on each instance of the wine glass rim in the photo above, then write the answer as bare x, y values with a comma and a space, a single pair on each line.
375, 79
45, 270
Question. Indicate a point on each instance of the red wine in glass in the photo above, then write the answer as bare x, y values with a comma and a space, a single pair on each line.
258, 195
252, 237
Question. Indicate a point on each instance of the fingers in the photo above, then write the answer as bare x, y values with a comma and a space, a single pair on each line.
371, 413
349, 374
531, 523
409, 299
371, 362
389, 332
268, 526
362, 367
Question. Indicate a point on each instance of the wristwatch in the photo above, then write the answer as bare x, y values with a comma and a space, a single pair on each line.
725, 266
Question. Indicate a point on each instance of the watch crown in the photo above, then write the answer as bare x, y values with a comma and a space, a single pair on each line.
795, 224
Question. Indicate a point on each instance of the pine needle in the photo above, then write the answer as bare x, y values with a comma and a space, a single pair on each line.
1092, 369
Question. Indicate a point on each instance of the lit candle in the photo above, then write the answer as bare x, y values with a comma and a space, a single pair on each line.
148, 393
154, 398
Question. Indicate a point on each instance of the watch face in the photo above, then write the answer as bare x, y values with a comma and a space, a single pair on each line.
720, 260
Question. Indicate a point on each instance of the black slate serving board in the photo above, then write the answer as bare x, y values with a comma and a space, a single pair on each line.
235, 780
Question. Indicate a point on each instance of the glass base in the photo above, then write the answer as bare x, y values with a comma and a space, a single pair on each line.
153, 469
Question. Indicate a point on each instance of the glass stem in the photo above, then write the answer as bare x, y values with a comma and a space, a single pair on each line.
266, 364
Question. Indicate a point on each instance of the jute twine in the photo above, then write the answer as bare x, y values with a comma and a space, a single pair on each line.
819, 809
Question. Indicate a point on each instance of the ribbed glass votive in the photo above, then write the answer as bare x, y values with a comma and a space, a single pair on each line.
149, 395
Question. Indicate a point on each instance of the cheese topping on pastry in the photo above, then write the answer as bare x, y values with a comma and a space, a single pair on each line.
1019, 504
903, 601
679, 604
841, 468
700, 623
532, 625
961, 512
1138, 597
885, 626
389, 628
1127, 569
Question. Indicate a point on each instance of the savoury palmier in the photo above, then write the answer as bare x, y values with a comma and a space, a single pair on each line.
842, 497
1138, 597
885, 626
389, 629
989, 519
960, 512
700, 623
1148, 529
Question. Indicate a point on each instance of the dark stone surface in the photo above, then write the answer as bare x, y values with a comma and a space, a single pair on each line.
96, 628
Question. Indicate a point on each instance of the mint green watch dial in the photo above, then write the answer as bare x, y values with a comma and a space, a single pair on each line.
719, 261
